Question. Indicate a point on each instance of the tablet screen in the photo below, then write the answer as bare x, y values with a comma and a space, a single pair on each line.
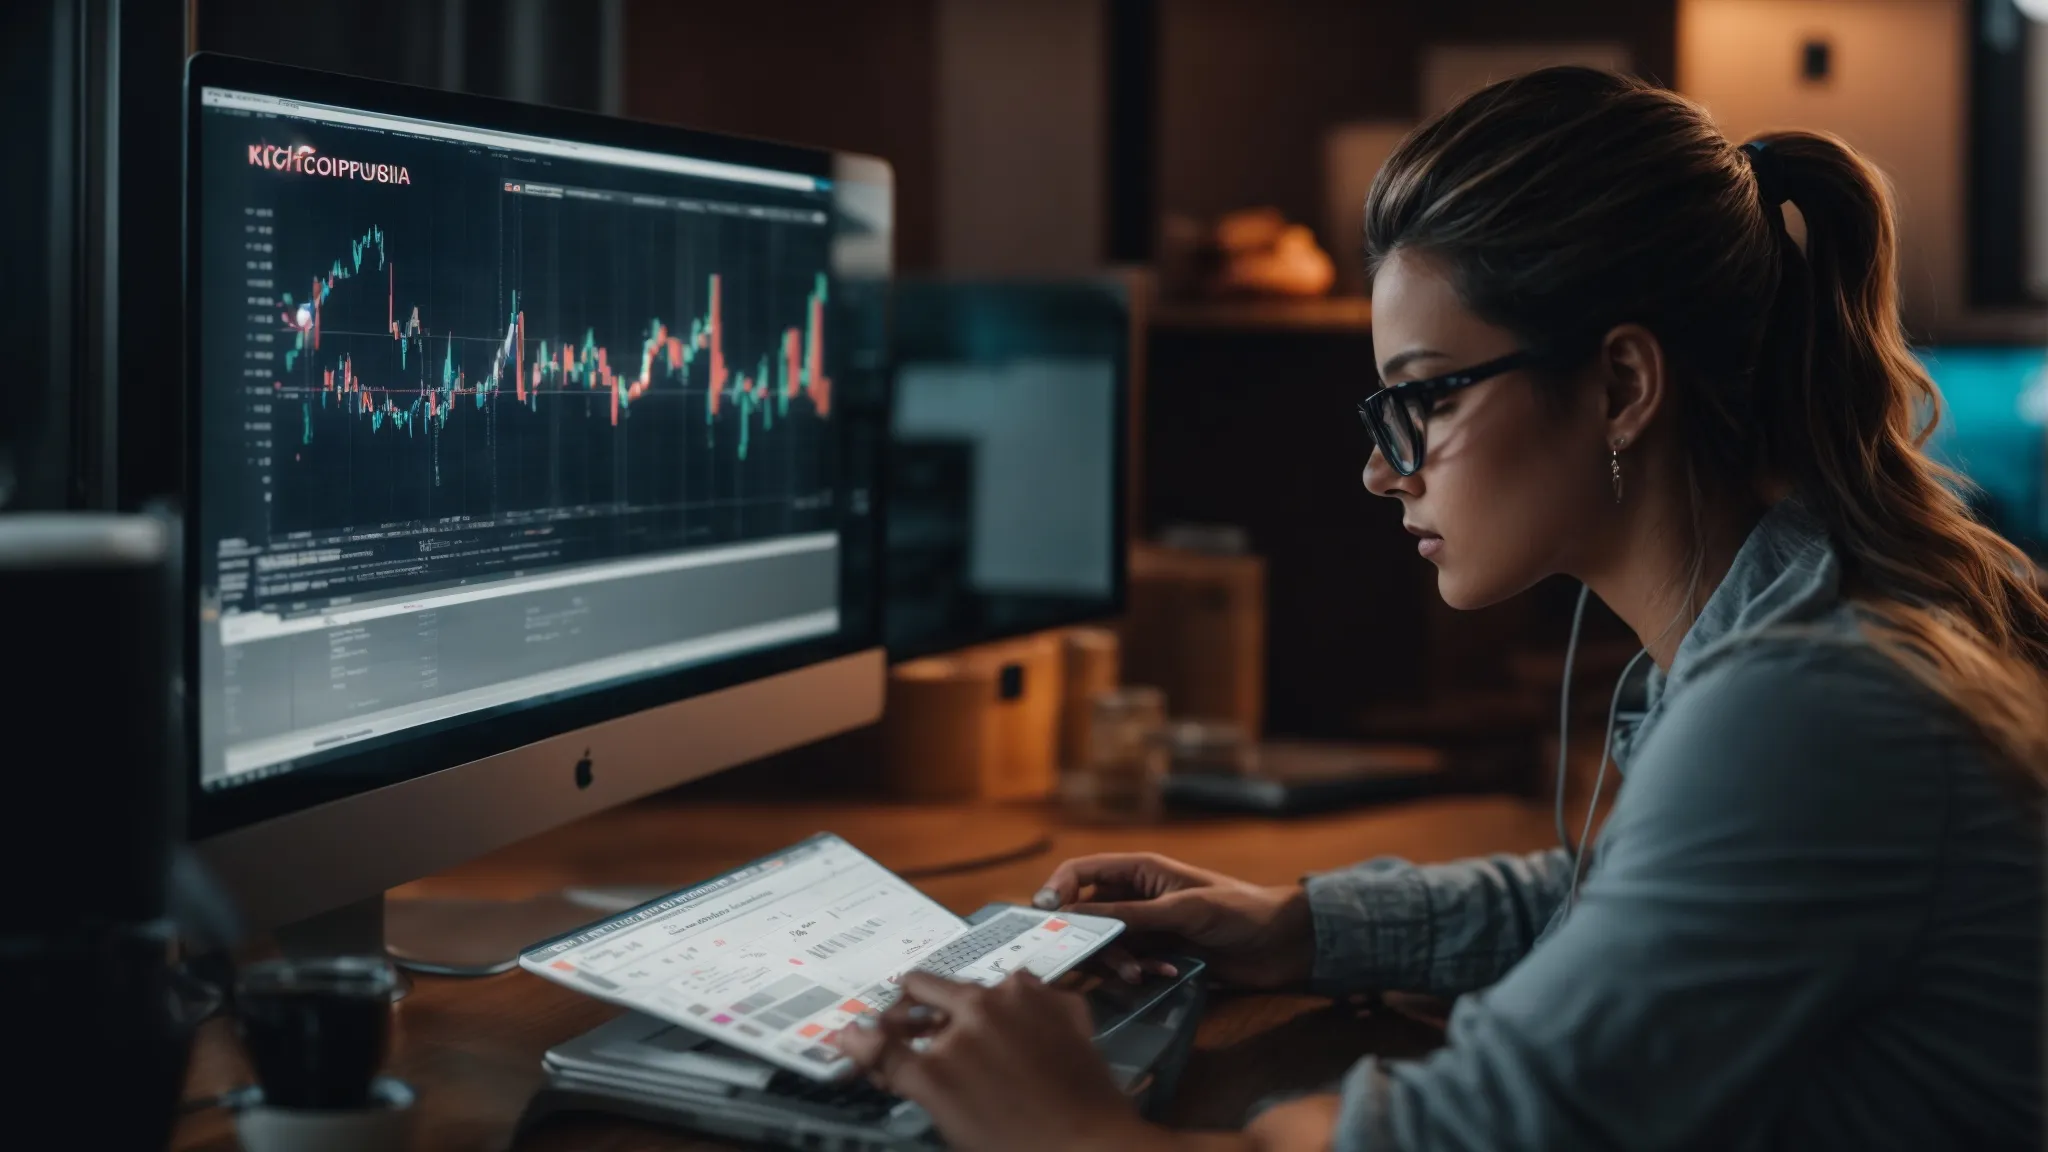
773, 958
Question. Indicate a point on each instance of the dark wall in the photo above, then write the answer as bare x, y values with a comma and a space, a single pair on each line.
1999, 155
1246, 88
543, 51
1648, 27
853, 76
94, 253
1249, 87
382, 39
37, 393
1254, 427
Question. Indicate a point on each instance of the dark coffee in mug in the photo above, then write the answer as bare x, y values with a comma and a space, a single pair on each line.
316, 1029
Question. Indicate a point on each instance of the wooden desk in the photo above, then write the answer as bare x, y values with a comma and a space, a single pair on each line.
473, 1047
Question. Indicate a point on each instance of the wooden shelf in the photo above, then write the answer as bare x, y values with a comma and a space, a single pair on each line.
1317, 314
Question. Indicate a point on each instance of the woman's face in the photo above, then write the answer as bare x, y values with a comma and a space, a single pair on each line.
1510, 476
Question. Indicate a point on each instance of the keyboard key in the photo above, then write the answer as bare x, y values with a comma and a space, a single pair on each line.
979, 942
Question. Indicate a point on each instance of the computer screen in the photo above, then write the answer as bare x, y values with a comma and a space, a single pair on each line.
1992, 430
501, 425
1005, 459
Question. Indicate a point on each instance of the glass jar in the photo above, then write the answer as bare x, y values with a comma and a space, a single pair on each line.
1127, 756
1206, 748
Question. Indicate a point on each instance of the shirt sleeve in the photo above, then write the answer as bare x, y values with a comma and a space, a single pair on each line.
1440, 929
1765, 875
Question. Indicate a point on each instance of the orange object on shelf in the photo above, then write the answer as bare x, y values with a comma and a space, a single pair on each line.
1094, 662
981, 724
1197, 630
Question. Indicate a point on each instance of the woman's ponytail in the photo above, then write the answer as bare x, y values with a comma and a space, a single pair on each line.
1568, 201
1843, 409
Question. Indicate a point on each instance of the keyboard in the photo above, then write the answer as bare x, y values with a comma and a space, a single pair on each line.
954, 955
982, 940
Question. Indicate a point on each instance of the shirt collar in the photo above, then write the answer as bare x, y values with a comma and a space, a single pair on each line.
1785, 572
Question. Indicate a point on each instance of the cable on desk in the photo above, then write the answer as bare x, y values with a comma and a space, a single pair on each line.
1038, 846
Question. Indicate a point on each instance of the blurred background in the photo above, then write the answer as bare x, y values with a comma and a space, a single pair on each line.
1050, 136
1215, 153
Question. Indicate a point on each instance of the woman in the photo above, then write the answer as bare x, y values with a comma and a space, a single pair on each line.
1813, 919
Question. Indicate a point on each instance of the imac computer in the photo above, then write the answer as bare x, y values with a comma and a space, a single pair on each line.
1006, 459
526, 474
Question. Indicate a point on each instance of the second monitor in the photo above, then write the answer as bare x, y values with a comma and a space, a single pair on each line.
1006, 475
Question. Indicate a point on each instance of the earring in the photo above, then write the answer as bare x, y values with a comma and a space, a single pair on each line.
1614, 465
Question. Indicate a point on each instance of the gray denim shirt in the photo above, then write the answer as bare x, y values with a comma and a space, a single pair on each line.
1813, 919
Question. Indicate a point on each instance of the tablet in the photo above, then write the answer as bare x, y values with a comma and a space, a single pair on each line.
777, 956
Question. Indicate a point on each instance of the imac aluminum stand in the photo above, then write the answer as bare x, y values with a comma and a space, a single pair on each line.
351, 930
452, 937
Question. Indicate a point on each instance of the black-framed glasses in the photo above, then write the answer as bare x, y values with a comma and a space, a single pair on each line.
1398, 415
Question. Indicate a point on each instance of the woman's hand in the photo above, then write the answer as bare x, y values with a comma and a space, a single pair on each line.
1008, 1067
1251, 936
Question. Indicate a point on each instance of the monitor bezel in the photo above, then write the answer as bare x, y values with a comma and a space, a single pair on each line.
404, 759
1096, 612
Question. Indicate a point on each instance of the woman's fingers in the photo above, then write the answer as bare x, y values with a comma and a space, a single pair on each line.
1167, 914
891, 1046
866, 1043
1114, 869
1129, 967
881, 1041
905, 1019
1011, 1068
1118, 960
951, 997
887, 1059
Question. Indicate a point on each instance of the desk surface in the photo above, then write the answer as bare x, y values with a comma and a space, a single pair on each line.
473, 1047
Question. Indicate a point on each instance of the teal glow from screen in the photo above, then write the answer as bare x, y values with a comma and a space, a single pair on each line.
1994, 420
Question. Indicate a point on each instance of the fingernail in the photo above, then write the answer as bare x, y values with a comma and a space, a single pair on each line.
921, 1013
867, 1022
1131, 973
1047, 899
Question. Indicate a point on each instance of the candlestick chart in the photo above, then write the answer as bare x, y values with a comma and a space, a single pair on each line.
561, 357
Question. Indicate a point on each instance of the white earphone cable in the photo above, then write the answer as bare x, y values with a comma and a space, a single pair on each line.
1564, 725
1600, 778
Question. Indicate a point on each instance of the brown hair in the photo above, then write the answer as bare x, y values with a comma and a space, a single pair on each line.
1569, 201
